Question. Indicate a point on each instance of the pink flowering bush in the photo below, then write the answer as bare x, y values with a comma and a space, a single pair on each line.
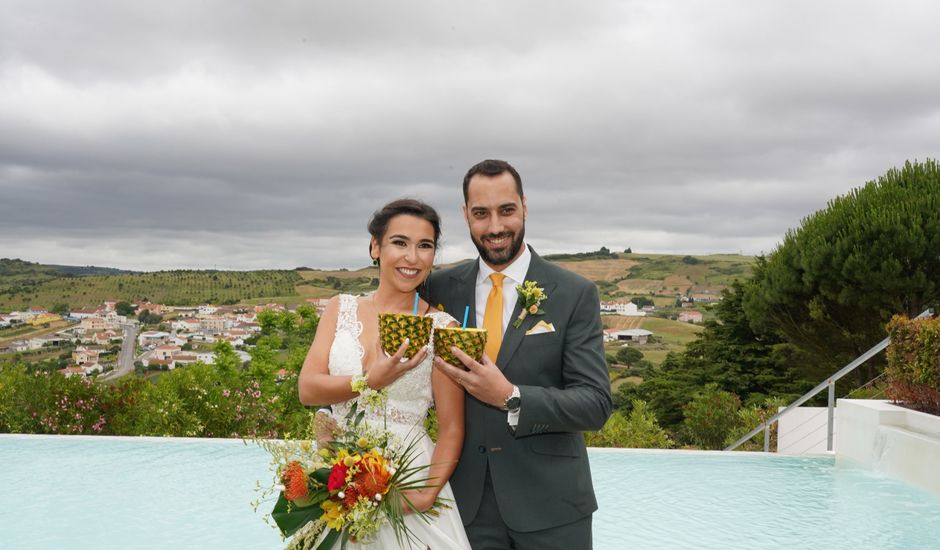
40, 402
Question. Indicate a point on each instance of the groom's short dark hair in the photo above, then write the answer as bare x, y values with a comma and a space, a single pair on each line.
491, 168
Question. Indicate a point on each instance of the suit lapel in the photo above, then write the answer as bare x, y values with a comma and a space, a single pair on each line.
513, 336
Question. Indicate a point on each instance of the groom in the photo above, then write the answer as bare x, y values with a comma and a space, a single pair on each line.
523, 480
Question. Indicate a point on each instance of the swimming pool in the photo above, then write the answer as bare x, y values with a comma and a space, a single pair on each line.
86, 492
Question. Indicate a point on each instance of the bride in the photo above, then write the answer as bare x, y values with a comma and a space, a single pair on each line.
405, 235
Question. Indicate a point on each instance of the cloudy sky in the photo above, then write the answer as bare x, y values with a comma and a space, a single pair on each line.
262, 134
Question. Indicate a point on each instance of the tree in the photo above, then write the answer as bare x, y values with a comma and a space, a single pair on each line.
124, 308
642, 301
833, 283
61, 309
728, 353
629, 356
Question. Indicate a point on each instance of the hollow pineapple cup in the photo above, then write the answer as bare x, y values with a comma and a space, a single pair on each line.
471, 341
395, 327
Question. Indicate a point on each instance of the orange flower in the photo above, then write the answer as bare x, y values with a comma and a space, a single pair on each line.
295, 482
533, 309
373, 475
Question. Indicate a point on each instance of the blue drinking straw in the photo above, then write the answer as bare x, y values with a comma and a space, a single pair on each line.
466, 312
416, 303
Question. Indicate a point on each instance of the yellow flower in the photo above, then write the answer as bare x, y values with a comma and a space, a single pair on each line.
363, 442
333, 515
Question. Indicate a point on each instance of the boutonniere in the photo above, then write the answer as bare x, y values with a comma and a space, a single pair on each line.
531, 295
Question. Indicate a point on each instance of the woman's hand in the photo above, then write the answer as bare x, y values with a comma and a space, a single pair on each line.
385, 370
422, 500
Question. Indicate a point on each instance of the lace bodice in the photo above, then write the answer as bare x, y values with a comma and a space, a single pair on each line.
409, 397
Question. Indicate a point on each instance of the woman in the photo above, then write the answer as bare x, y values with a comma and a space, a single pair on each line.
405, 235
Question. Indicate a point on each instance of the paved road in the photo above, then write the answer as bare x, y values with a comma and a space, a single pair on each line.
125, 364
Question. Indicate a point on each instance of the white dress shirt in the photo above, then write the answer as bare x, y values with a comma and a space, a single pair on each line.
515, 275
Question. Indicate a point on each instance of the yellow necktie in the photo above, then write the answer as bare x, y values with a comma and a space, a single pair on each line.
493, 316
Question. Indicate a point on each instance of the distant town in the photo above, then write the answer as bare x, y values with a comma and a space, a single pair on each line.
109, 338
100, 336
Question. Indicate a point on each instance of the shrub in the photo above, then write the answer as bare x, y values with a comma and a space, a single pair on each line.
711, 416
639, 430
913, 369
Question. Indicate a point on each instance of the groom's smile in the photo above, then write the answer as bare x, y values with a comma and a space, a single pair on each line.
495, 214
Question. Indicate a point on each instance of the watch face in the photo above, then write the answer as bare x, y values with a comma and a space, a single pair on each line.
513, 403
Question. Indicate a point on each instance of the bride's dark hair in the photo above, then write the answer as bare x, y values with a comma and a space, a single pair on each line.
378, 225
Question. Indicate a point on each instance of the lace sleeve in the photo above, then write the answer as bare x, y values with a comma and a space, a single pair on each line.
442, 319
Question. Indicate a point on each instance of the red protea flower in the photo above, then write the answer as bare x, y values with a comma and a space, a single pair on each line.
295, 482
337, 477
350, 495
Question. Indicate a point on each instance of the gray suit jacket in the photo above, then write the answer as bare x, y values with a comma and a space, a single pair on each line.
541, 474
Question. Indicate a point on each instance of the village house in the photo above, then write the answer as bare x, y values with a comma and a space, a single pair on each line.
69, 372
19, 345
183, 312
107, 337
212, 324
207, 309
690, 317
43, 318
622, 307
110, 305
246, 318
79, 314
186, 325
155, 309
94, 324
82, 355
48, 340
152, 338
180, 359
166, 351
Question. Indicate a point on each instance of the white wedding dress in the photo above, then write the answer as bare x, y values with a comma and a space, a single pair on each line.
409, 399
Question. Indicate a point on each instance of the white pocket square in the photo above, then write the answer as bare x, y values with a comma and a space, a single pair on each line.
540, 328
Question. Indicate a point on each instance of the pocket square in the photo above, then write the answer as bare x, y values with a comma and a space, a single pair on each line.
540, 328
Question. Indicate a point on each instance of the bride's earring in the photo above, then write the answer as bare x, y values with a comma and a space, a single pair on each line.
375, 262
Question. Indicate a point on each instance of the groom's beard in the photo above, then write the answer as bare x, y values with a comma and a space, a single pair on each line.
504, 256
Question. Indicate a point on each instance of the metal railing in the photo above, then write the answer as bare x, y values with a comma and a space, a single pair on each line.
830, 384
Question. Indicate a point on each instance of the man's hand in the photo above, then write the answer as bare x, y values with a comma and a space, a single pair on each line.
325, 427
483, 379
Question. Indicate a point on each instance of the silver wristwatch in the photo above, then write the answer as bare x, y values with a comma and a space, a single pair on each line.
514, 401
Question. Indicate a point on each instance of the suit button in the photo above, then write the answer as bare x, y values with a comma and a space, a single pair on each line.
482, 449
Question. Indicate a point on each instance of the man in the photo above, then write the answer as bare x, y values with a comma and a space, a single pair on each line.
523, 480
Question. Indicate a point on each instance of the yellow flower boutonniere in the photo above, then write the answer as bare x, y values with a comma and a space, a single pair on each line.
531, 296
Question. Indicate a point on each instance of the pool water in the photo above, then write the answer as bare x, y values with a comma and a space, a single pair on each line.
86, 492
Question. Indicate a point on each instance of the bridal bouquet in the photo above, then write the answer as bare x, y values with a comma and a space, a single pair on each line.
348, 488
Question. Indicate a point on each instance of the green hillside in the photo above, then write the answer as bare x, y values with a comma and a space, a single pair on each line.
659, 277
179, 287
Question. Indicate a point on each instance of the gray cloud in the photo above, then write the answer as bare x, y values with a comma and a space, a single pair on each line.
255, 135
